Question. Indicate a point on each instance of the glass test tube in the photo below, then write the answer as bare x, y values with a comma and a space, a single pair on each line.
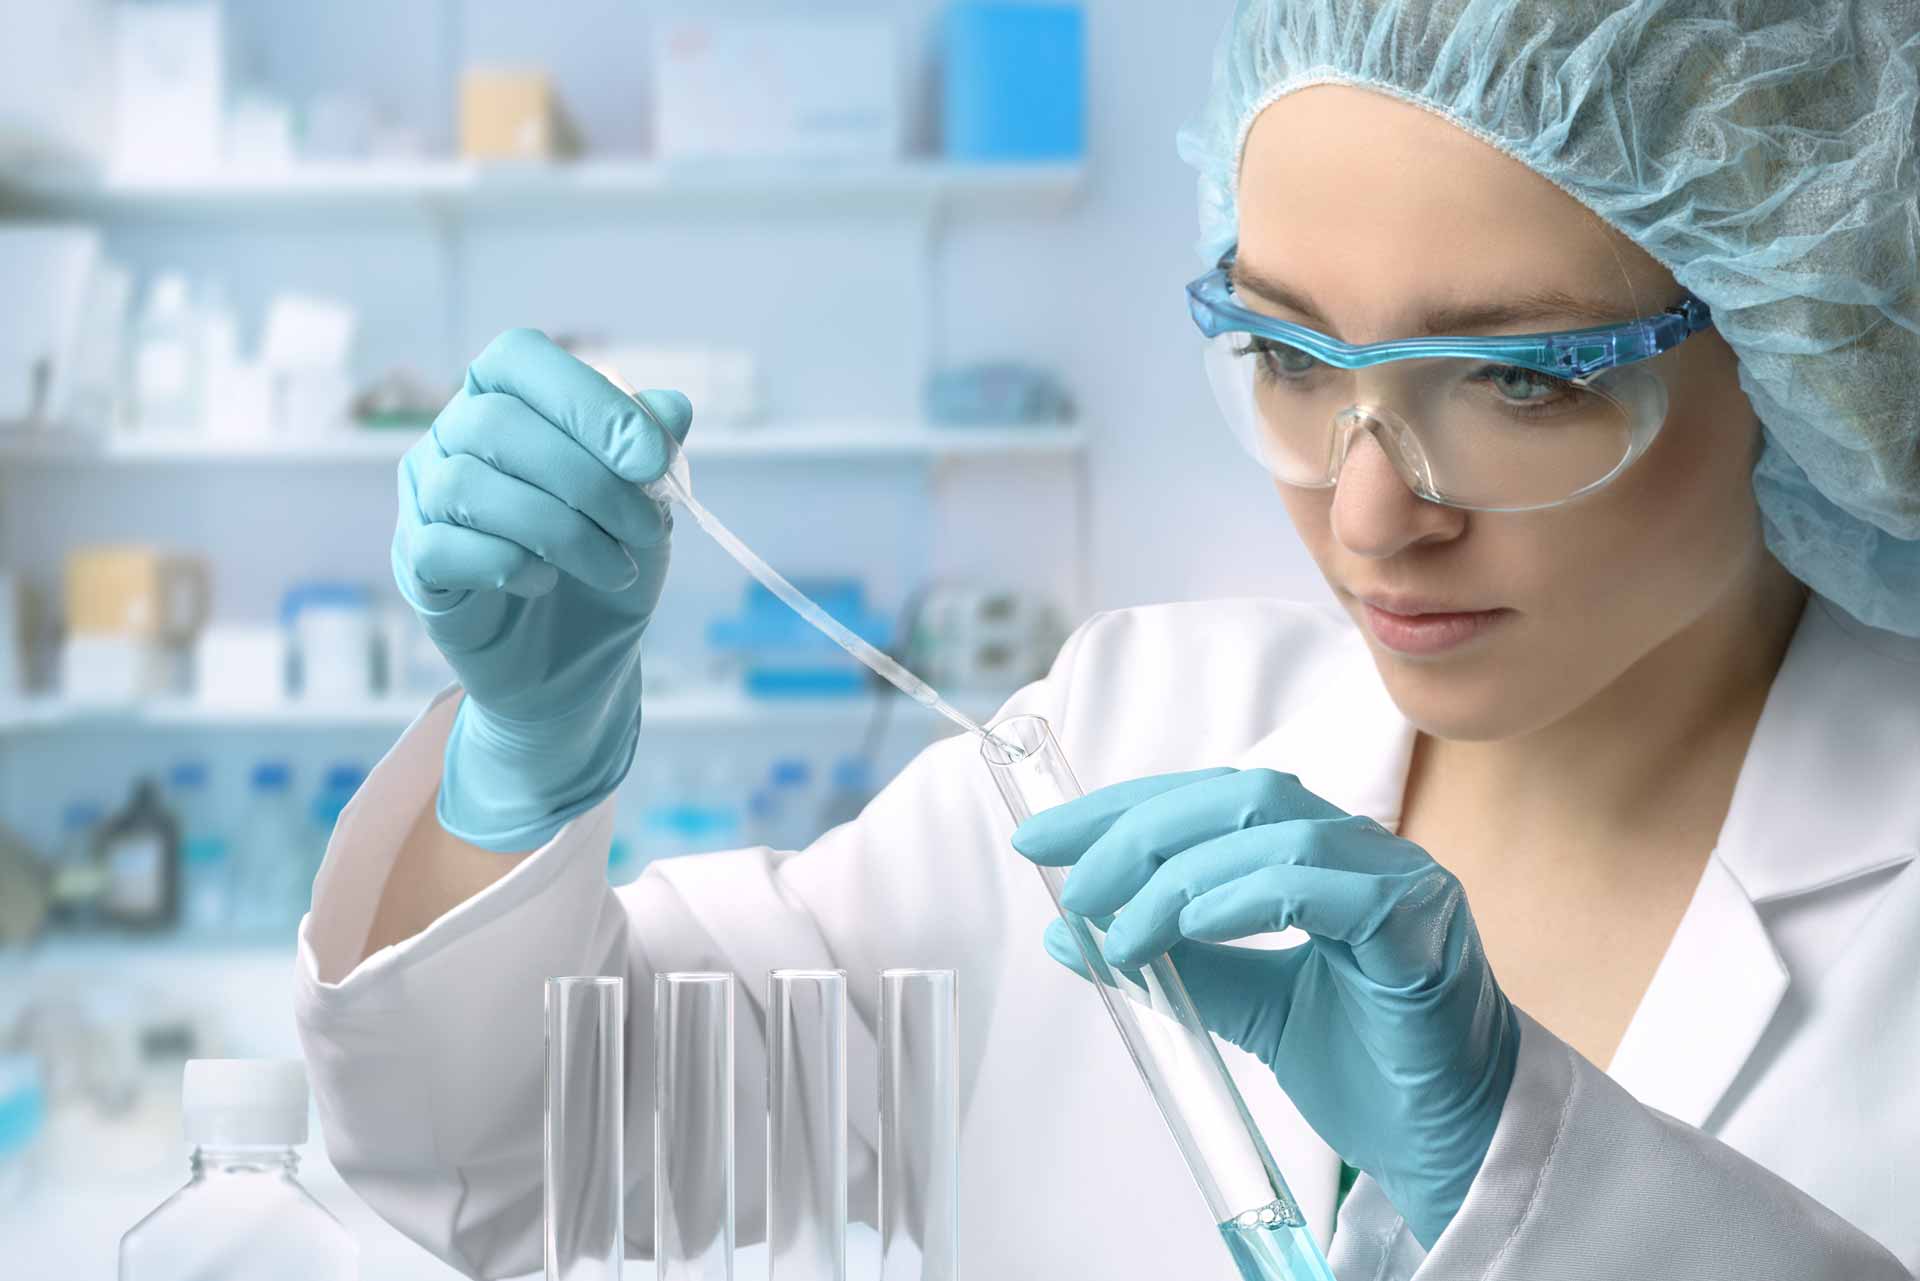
1258, 1218
585, 1128
807, 1125
693, 1126
919, 1126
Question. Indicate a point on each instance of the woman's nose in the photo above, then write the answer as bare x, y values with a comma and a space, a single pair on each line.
1375, 514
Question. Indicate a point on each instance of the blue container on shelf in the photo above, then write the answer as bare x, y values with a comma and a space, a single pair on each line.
783, 657
1015, 82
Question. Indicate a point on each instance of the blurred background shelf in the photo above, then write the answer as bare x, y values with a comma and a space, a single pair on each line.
694, 710
804, 439
456, 188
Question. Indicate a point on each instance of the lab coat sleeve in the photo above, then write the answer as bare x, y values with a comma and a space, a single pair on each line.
426, 1058
1583, 1182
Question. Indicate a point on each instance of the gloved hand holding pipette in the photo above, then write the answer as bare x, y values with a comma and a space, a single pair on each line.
1386, 1028
535, 564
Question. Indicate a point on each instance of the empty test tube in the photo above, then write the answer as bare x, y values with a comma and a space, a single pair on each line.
693, 1126
919, 1126
585, 1128
807, 1125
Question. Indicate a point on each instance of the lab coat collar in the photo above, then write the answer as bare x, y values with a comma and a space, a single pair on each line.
1827, 791
1821, 798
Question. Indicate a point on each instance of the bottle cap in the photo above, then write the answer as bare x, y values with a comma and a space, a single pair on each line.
81, 814
184, 774
271, 775
245, 1102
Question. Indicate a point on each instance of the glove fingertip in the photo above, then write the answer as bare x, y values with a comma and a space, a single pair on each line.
1060, 945
671, 409
1042, 839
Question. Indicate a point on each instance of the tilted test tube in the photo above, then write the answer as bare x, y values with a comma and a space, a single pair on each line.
1258, 1218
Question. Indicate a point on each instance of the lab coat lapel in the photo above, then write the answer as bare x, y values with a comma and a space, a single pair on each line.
1711, 997
1824, 795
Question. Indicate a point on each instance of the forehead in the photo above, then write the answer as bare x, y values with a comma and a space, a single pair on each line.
1378, 207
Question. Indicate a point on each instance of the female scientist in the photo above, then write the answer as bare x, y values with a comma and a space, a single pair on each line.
1581, 339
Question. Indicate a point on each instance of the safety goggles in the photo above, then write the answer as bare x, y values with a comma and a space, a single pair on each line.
1488, 424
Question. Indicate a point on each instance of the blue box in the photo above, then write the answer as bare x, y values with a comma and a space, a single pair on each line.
1015, 82
780, 653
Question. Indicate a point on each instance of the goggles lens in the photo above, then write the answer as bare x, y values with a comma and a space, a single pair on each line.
1468, 432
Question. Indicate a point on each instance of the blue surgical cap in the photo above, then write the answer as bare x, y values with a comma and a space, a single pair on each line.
1762, 150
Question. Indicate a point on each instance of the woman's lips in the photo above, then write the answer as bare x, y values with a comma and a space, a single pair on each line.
1425, 632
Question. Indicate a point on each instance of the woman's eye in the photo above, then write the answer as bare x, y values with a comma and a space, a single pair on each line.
1525, 386
1277, 359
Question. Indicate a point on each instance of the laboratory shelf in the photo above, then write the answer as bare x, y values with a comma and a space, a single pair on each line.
720, 709
454, 187
877, 440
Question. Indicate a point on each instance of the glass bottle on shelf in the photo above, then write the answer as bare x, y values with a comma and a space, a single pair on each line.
139, 850
270, 855
206, 872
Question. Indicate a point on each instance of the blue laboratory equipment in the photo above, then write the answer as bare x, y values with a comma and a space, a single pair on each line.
1015, 82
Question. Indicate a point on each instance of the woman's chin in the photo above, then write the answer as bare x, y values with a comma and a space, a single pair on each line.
1474, 701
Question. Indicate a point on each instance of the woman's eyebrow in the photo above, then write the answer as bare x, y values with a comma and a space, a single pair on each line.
1447, 317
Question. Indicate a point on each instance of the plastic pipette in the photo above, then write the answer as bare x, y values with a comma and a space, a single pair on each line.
676, 485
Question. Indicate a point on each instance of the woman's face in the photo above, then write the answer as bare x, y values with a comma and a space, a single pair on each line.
1377, 210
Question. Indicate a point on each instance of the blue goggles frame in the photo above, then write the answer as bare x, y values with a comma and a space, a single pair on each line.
1573, 354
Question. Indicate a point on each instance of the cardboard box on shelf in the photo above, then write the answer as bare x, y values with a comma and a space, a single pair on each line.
512, 115
739, 87
135, 591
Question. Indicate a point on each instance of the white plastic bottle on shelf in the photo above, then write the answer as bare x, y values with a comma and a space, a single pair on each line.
206, 871
243, 1214
271, 863
798, 803
166, 358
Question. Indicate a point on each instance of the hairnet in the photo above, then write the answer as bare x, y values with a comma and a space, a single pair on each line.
1762, 150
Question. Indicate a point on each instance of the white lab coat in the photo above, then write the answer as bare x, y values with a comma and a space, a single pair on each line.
1761, 1118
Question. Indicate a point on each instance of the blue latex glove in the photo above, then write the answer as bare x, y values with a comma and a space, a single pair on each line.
1386, 1028
534, 560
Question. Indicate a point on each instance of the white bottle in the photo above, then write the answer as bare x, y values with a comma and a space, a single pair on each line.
243, 1214
167, 370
